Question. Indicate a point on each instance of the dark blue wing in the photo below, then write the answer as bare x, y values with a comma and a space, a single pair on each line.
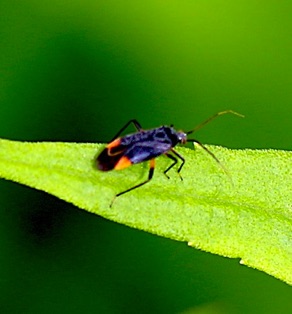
143, 151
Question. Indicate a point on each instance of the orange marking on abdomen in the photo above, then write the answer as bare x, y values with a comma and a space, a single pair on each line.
124, 162
114, 143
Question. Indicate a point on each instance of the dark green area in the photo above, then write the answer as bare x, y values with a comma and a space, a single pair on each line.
77, 71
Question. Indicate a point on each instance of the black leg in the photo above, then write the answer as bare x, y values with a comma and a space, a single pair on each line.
181, 158
136, 125
173, 158
174, 163
150, 175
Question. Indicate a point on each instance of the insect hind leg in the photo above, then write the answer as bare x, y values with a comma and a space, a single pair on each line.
134, 122
150, 176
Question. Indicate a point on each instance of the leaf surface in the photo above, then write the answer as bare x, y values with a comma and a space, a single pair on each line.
249, 219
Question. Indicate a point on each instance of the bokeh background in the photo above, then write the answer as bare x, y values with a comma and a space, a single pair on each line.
77, 71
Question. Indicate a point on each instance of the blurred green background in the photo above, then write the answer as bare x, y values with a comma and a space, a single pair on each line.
77, 71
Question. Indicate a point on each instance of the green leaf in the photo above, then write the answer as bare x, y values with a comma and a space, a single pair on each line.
250, 219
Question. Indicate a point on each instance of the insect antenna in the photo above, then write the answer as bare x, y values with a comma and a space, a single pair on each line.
198, 127
214, 157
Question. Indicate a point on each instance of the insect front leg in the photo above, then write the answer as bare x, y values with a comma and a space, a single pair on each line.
150, 176
182, 159
175, 162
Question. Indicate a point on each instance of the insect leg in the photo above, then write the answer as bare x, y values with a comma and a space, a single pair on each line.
136, 125
174, 163
182, 164
150, 175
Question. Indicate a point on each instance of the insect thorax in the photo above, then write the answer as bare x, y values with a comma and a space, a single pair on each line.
168, 134
163, 134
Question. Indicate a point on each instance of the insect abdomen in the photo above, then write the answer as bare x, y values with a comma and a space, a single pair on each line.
106, 162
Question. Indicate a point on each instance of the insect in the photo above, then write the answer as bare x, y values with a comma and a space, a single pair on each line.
145, 145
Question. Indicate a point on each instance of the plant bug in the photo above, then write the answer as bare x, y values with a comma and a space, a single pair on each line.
145, 145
